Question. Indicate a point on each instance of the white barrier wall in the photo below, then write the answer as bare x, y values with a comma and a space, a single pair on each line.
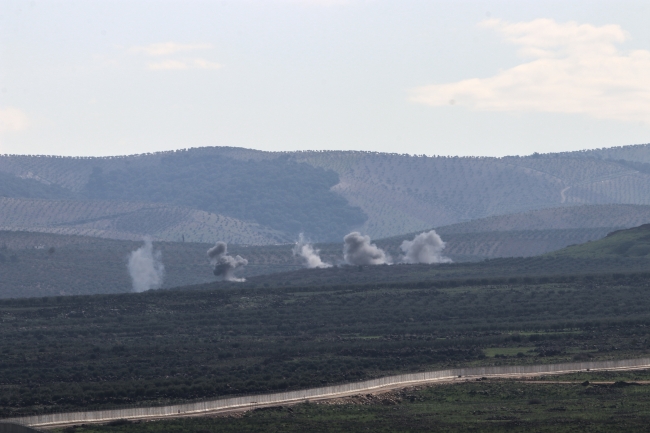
313, 393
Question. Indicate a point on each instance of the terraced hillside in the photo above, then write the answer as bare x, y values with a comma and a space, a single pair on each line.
328, 193
408, 193
130, 220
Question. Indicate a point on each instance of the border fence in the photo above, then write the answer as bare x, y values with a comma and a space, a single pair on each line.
252, 401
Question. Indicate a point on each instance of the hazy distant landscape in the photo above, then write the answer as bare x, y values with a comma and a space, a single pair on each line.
565, 228
254, 197
324, 216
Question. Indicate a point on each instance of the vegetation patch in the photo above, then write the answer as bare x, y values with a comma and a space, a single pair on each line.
159, 347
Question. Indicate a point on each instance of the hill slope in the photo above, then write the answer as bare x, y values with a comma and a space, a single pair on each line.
326, 194
88, 265
130, 220
630, 243
568, 217
45, 264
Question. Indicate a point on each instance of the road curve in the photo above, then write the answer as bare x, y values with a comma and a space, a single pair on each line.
238, 404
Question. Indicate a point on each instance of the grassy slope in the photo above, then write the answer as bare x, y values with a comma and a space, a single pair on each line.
634, 242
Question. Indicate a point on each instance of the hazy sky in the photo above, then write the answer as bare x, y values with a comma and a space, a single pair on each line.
433, 77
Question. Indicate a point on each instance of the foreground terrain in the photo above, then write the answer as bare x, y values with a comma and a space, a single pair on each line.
156, 347
608, 402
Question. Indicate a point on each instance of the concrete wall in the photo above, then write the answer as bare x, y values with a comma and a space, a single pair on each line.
306, 394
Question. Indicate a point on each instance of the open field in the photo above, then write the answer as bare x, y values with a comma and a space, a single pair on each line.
172, 346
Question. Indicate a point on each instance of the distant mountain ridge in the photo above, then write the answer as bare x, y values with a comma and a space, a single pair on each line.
327, 193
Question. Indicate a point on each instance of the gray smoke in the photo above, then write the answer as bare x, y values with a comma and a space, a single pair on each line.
225, 265
357, 250
146, 267
309, 254
424, 248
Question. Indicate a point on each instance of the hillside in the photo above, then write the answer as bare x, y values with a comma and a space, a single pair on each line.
567, 217
45, 264
408, 193
130, 221
516, 243
274, 191
325, 194
630, 243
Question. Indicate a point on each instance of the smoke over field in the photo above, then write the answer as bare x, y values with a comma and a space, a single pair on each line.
224, 264
146, 268
309, 254
424, 248
357, 250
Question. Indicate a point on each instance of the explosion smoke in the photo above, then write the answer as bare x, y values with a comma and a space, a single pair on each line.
146, 267
357, 250
310, 255
225, 265
424, 248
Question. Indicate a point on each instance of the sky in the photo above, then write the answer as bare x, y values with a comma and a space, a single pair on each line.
489, 78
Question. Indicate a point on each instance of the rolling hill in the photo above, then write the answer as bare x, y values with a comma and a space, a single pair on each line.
559, 218
45, 264
629, 243
328, 193
131, 221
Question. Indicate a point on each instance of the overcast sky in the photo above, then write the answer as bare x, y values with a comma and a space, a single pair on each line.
420, 77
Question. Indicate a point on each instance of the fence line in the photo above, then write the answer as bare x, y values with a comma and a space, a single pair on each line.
251, 401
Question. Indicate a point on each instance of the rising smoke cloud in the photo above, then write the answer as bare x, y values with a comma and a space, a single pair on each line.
225, 265
146, 268
357, 250
309, 254
424, 248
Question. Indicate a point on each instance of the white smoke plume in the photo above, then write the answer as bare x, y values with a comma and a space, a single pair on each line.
357, 250
424, 248
309, 254
146, 268
225, 265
